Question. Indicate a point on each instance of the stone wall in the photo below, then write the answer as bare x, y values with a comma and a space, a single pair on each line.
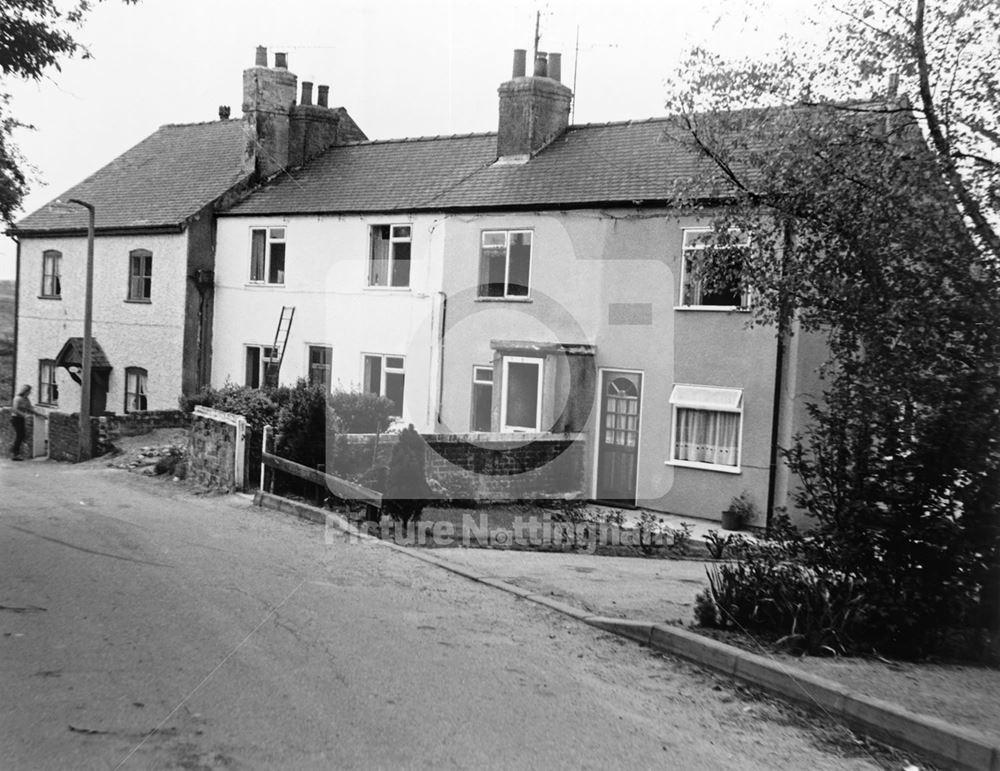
64, 430
7, 435
212, 453
479, 467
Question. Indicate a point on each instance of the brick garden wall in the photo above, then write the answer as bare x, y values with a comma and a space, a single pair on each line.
7, 434
479, 467
212, 454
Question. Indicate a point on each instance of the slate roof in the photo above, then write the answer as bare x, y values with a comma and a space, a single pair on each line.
625, 162
163, 180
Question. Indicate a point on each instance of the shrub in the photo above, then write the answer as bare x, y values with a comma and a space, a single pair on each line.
361, 413
304, 425
406, 485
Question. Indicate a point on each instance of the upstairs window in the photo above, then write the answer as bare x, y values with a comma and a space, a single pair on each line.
140, 275
135, 389
505, 263
51, 264
48, 391
320, 365
389, 260
257, 359
267, 256
386, 376
720, 286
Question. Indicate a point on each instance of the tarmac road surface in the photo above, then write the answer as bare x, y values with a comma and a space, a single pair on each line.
142, 626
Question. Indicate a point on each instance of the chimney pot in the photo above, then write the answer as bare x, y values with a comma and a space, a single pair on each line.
224, 112
541, 64
555, 67
520, 59
323, 96
307, 92
281, 61
261, 59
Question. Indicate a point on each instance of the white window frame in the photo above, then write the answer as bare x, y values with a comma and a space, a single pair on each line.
506, 271
746, 295
479, 380
383, 371
262, 361
270, 239
141, 381
51, 274
504, 392
705, 399
328, 366
391, 264
48, 385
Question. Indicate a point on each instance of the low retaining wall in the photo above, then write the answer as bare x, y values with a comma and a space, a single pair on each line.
478, 467
64, 430
216, 449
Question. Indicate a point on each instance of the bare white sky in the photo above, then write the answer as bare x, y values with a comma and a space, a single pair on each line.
400, 67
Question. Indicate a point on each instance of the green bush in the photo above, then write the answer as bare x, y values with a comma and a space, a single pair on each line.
260, 406
304, 424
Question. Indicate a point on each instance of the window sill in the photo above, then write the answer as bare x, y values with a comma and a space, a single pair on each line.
703, 466
504, 300
50, 297
712, 308
262, 285
138, 301
390, 289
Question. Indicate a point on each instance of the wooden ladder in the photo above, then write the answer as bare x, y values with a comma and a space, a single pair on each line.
278, 349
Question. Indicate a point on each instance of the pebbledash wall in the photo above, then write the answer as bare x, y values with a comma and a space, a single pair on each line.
478, 466
132, 333
326, 281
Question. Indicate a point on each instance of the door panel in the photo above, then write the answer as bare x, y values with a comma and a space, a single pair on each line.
618, 449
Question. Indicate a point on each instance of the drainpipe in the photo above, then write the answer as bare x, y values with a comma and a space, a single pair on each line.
440, 373
776, 406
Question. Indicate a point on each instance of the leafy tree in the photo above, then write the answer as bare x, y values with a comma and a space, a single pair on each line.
872, 227
34, 36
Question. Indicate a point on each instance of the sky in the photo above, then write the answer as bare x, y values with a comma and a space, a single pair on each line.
400, 67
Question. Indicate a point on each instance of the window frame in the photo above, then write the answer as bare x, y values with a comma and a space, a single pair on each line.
262, 362
677, 403
746, 295
142, 382
505, 393
146, 278
478, 384
482, 285
391, 257
270, 240
327, 366
51, 281
385, 369
48, 387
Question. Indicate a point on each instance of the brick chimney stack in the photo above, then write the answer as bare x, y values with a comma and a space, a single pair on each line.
283, 134
268, 96
534, 109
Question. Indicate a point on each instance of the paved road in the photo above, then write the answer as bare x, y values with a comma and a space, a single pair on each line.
145, 627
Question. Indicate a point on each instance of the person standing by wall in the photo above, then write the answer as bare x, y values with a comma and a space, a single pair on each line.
22, 410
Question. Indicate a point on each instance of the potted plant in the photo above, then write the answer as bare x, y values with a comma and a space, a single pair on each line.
740, 511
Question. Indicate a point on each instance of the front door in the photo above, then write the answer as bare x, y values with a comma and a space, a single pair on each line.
618, 449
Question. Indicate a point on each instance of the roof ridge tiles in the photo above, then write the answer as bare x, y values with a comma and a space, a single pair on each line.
401, 140
200, 123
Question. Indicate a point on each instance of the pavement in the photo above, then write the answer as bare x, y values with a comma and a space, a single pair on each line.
650, 600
